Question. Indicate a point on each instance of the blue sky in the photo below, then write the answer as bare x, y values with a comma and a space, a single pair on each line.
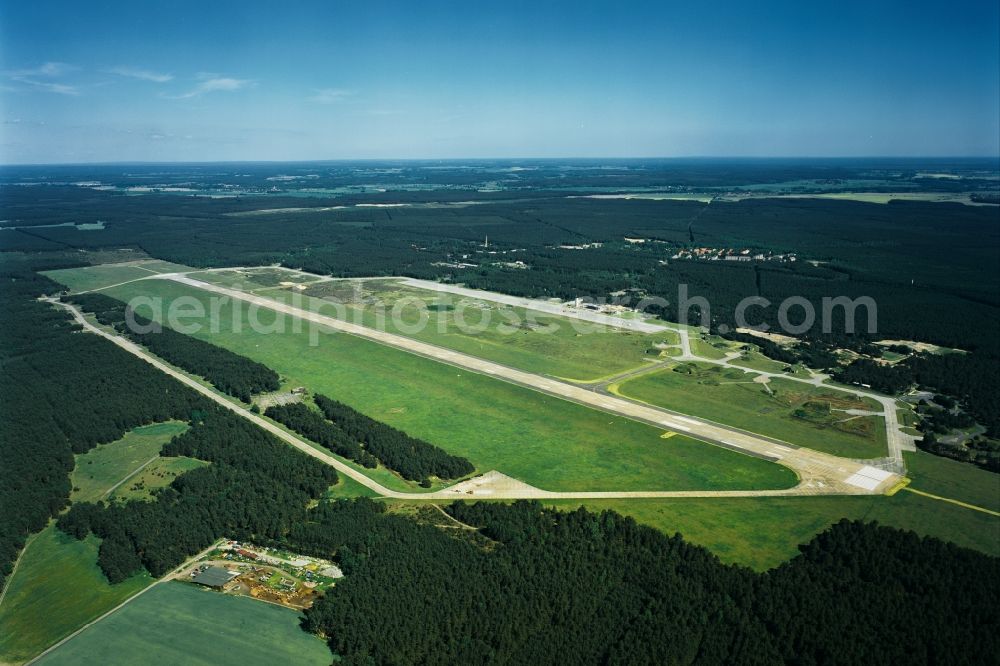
106, 81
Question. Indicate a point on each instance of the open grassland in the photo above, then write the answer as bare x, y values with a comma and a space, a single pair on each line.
104, 275
757, 361
159, 473
544, 441
97, 277
709, 349
763, 532
517, 337
514, 336
101, 468
953, 479
791, 411
179, 623
257, 278
56, 589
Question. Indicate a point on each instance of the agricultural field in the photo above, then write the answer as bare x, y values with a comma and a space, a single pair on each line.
184, 624
101, 469
56, 589
791, 411
471, 415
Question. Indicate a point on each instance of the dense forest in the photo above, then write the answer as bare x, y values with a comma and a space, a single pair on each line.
353, 435
256, 485
581, 588
542, 586
933, 269
531, 585
62, 393
314, 427
229, 372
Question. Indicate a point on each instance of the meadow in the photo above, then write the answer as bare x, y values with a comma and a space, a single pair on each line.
763, 532
96, 277
184, 624
542, 440
56, 589
544, 344
514, 336
158, 474
103, 467
791, 411
57, 586
953, 479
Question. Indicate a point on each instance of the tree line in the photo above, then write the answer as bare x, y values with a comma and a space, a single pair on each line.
556, 587
62, 393
256, 486
352, 435
413, 458
314, 427
228, 371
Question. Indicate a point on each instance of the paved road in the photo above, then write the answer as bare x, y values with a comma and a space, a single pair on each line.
819, 473
897, 440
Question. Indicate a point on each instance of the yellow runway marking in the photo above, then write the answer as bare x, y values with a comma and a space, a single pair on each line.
899, 486
953, 501
667, 434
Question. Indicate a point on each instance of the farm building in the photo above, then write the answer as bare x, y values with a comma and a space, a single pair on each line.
215, 577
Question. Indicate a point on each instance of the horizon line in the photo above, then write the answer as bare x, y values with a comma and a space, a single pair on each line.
506, 159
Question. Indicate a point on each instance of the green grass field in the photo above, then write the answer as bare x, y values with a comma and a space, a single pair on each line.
764, 532
513, 336
96, 277
179, 623
706, 349
98, 470
953, 479
757, 361
56, 589
795, 412
544, 344
159, 473
551, 443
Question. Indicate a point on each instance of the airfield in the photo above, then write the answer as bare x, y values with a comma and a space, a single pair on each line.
700, 452
660, 422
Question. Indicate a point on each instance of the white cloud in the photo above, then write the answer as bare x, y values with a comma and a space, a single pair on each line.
216, 84
30, 77
58, 88
141, 74
330, 95
45, 69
